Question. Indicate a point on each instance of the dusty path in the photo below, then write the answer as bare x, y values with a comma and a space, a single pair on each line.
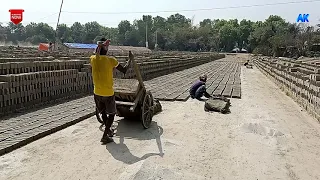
266, 136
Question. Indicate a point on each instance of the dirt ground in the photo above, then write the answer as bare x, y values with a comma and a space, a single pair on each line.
266, 136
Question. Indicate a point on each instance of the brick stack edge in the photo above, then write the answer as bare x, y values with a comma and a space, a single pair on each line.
25, 84
299, 80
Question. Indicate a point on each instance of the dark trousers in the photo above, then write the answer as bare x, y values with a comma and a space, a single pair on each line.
106, 105
201, 91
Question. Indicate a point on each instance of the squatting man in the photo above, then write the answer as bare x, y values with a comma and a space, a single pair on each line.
198, 89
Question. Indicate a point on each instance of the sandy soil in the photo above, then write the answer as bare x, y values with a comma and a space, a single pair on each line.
266, 136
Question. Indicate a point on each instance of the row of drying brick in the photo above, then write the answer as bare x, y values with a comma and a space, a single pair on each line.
294, 67
22, 90
28, 89
27, 67
305, 89
308, 67
32, 59
151, 70
155, 68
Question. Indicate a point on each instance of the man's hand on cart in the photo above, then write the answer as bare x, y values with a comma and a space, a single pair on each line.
124, 68
131, 56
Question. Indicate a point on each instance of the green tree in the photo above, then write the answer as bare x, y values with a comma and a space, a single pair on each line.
123, 28
177, 33
78, 33
92, 30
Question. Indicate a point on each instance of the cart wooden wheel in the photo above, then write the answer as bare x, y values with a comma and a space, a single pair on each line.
147, 110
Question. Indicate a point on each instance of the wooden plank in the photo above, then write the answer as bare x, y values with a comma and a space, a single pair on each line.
126, 86
138, 98
137, 72
124, 103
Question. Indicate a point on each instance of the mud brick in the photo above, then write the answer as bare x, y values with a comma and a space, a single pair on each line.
27, 77
39, 67
315, 77
4, 87
6, 100
2, 72
293, 69
6, 78
13, 68
6, 68
40, 75
294, 65
46, 66
51, 65
1, 98
27, 67
23, 67
63, 65
19, 67
1, 104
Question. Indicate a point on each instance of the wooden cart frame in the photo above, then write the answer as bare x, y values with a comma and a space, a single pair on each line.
135, 103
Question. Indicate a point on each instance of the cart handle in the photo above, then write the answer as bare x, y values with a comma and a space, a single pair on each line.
137, 71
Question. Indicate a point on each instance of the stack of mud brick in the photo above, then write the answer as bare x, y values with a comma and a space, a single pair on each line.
157, 67
24, 54
36, 81
300, 80
26, 84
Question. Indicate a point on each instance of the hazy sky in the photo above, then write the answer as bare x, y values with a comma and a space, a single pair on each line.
47, 11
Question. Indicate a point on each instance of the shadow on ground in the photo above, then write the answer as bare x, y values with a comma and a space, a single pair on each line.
131, 129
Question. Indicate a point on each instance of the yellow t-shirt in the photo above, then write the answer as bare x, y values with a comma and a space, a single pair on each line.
102, 74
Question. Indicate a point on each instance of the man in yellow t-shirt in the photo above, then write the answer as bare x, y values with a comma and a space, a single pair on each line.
102, 75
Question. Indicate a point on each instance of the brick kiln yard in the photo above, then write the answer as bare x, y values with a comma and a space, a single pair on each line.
266, 136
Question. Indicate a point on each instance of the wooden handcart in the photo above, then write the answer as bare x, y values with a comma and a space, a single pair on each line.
132, 99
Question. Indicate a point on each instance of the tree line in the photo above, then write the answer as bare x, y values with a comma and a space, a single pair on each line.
176, 33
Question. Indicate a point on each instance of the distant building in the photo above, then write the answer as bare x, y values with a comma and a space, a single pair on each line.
243, 50
237, 50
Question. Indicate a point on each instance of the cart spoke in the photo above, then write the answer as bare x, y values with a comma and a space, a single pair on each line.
147, 112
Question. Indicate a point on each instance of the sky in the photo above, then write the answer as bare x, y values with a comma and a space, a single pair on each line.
115, 11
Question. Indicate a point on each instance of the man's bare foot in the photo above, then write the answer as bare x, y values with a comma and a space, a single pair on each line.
106, 140
110, 133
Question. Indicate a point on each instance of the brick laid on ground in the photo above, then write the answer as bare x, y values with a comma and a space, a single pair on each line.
23, 129
175, 86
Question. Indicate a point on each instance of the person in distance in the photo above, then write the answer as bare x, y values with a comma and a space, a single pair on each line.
198, 89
